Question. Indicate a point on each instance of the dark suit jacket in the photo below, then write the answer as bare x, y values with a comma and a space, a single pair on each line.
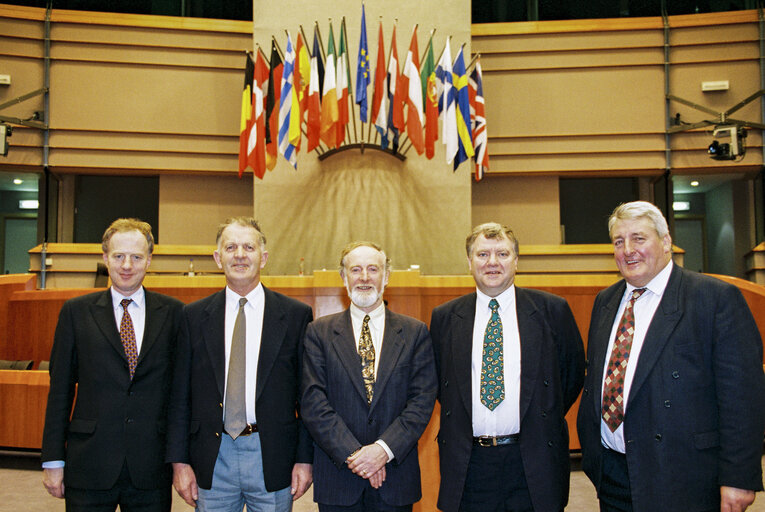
552, 370
195, 421
114, 419
696, 410
335, 409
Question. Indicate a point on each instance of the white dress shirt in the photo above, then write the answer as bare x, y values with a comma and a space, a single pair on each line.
505, 419
253, 311
137, 310
644, 309
377, 331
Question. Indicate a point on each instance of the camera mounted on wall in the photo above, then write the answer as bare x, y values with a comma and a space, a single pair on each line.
731, 144
5, 131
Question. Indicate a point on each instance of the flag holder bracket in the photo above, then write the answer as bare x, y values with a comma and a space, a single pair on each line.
362, 147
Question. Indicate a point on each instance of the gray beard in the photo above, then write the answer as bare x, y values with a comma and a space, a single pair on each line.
364, 299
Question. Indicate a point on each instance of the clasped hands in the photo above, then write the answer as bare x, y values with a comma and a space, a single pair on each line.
368, 462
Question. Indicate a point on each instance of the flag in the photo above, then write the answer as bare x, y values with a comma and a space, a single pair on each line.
362, 70
480, 135
447, 104
380, 95
414, 116
313, 123
256, 147
272, 105
302, 77
395, 108
246, 116
397, 87
462, 110
288, 105
342, 88
329, 114
430, 98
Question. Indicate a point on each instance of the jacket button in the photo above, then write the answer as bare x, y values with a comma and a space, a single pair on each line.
549, 443
547, 382
370, 421
544, 414
449, 412
446, 383
221, 405
128, 420
675, 374
667, 403
658, 437
586, 391
217, 434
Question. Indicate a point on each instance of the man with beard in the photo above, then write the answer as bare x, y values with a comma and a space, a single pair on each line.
369, 386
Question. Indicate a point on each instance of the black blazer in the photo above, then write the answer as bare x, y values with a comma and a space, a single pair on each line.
696, 411
195, 421
552, 370
335, 409
114, 419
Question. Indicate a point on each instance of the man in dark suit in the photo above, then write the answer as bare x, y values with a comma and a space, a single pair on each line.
234, 436
369, 387
115, 348
510, 364
673, 409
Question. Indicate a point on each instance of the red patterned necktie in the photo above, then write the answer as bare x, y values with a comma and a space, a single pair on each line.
127, 335
613, 384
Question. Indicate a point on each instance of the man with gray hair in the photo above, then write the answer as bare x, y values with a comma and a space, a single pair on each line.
510, 364
234, 435
673, 409
369, 387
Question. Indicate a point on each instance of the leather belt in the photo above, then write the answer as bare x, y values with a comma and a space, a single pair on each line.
487, 441
249, 429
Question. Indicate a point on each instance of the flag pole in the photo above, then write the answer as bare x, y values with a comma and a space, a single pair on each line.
321, 41
473, 61
350, 89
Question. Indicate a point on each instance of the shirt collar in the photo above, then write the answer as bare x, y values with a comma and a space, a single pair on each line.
506, 299
139, 297
232, 298
657, 284
375, 315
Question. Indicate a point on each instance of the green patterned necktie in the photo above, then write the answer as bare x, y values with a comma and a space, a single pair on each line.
492, 367
367, 354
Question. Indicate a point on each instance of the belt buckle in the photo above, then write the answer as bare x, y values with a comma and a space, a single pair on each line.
487, 441
247, 430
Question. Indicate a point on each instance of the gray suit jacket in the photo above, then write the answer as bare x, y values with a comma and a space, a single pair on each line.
336, 413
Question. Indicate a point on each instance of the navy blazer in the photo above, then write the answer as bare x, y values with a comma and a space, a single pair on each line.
115, 419
335, 409
696, 411
195, 421
552, 371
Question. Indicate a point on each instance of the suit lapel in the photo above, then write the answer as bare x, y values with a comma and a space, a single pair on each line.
213, 332
460, 330
271, 338
103, 314
598, 344
531, 356
665, 319
393, 344
344, 344
156, 314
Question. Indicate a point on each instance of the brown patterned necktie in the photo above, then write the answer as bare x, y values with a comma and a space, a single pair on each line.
127, 336
613, 384
235, 415
367, 353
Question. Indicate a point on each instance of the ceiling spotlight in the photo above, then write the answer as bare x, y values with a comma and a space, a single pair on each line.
694, 183
17, 181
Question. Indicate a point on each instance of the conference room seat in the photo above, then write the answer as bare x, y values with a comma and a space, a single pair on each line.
25, 364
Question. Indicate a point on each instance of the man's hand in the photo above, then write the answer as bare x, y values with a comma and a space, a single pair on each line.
367, 460
378, 478
302, 476
53, 480
185, 483
735, 500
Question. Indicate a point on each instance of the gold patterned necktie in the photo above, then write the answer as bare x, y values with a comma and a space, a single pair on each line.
492, 367
367, 354
127, 336
613, 384
235, 415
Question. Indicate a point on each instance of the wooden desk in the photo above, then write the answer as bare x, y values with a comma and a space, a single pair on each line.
23, 396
